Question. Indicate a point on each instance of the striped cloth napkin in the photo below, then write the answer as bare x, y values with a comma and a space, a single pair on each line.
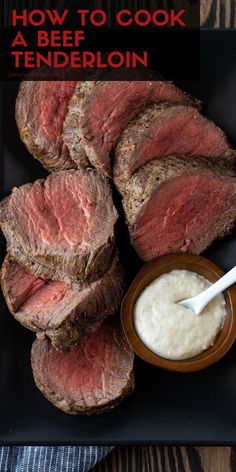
51, 458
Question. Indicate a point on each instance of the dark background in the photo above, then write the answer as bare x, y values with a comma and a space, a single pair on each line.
173, 52
166, 408
217, 14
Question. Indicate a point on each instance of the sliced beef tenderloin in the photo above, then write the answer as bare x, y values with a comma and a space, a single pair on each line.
91, 379
18, 285
41, 107
175, 205
100, 110
56, 310
162, 131
61, 228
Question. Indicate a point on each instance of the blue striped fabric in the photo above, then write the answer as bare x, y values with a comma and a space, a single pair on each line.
50, 458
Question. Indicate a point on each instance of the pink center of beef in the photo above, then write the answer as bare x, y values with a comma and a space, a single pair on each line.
66, 211
93, 373
113, 105
20, 285
185, 133
35, 297
45, 302
179, 216
47, 121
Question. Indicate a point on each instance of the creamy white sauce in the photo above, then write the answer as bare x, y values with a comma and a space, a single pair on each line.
171, 330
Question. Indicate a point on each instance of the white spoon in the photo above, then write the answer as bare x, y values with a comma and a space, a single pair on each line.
198, 303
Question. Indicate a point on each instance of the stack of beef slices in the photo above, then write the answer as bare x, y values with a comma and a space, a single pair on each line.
62, 278
172, 166
67, 125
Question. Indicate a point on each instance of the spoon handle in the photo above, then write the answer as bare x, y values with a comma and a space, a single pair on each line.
218, 287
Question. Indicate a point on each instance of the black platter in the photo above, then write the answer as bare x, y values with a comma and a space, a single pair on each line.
166, 408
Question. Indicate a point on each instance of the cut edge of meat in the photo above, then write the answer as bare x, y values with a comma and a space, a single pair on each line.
72, 409
70, 134
77, 318
155, 183
150, 126
50, 267
41, 352
80, 101
158, 171
8, 272
49, 160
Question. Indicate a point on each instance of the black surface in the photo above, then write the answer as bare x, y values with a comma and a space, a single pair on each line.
166, 408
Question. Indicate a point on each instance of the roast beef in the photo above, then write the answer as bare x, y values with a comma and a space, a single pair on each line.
175, 205
56, 310
41, 107
93, 378
162, 131
100, 110
61, 228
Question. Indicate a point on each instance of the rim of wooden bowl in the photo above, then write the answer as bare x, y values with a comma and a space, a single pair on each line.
147, 274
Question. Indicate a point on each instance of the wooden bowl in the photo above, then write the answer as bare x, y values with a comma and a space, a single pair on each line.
151, 271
